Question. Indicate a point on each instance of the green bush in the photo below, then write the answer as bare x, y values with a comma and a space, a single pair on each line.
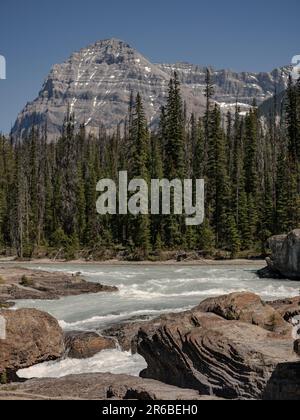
26, 282
2, 280
3, 378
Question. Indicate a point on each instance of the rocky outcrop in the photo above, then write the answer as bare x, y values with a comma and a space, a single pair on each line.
247, 307
84, 345
20, 283
285, 258
287, 308
228, 85
284, 384
217, 356
268, 273
95, 83
98, 387
30, 337
125, 334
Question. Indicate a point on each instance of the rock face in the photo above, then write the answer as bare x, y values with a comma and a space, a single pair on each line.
31, 337
230, 85
285, 258
247, 307
83, 345
97, 387
203, 351
95, 83
284, 384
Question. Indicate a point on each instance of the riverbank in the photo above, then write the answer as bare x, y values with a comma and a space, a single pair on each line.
115, 262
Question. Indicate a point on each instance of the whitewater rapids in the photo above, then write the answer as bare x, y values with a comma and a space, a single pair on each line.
144, 292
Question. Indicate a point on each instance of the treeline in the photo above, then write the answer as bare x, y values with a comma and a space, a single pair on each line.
251, 167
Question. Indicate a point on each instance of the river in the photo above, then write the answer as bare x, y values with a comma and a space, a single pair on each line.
143, 291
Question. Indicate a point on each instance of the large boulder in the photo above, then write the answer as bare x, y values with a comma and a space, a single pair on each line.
229, 359
285, 258
98, 386
83, 345
247, 307
29, 337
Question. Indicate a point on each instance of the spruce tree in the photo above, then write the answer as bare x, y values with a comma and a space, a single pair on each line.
140, 162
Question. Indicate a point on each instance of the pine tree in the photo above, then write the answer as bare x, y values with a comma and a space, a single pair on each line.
174, 143
209, 92
140, 160
173, 127
156, 173
67, 170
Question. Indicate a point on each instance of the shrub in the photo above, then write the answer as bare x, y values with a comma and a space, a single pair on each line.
26, 282
3, 378
2, 280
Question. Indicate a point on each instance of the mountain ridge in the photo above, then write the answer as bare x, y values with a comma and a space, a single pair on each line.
96, 82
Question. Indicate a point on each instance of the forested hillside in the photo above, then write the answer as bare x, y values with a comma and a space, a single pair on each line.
251, 168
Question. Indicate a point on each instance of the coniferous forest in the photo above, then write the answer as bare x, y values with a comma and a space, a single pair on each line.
250, 163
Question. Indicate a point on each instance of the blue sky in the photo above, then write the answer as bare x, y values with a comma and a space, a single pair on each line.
34, 35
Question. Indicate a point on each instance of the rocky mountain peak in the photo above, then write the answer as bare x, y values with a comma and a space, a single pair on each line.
95, 83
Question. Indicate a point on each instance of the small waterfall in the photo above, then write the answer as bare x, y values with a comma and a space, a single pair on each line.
296, 327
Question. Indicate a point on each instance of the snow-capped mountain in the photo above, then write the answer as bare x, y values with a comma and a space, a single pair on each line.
95, 83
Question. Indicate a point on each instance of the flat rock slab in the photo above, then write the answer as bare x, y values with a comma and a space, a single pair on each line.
21, 283
98, 387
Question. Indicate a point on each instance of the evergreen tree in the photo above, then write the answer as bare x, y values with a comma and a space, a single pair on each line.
140, 161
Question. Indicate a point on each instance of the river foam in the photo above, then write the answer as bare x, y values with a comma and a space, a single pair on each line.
112, 361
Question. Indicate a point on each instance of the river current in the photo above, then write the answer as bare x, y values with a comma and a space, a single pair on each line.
144, 291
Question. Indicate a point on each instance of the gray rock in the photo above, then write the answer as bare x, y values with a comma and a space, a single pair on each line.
95, 83
285, 258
